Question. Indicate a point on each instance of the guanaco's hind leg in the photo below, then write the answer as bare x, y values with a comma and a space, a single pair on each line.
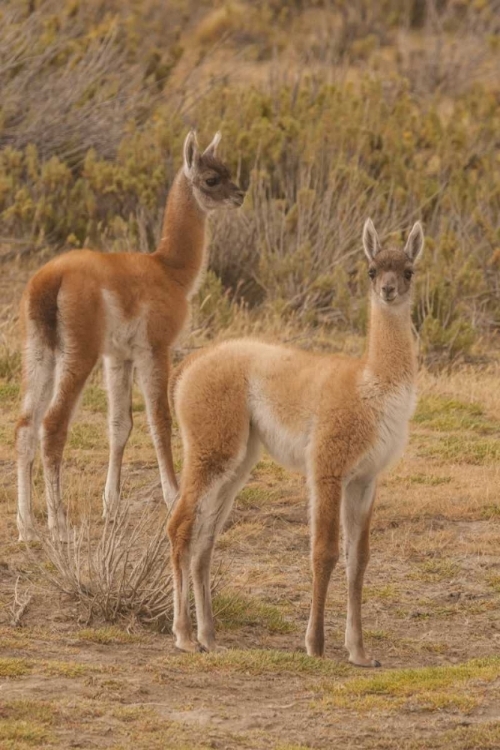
38, 376
356, 515
119, 377
200, 505
325, 520
209, 524
180, 528
72, 372
196, 521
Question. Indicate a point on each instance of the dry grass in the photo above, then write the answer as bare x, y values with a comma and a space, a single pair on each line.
431, 605
431, 597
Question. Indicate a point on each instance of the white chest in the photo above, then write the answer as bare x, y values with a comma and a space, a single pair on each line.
391, 432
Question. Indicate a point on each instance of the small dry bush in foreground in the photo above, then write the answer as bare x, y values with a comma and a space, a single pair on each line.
116, 573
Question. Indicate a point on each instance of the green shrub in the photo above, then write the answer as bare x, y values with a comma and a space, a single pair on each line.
317, 157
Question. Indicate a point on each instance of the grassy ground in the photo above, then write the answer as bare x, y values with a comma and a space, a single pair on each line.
431, 609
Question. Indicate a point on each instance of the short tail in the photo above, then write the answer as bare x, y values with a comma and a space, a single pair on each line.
40, 308
176, 376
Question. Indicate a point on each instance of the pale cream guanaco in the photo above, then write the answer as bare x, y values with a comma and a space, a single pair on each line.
339, 420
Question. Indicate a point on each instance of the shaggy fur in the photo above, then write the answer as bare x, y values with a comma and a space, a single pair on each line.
339, 420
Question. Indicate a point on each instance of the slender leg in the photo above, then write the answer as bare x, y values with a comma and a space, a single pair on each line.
71, 377
39, 365
356, 516
325, 518
119, 377
196, 520
153, 376
208, 526
180, 528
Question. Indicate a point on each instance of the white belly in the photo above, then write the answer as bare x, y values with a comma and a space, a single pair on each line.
124, 338
286, 447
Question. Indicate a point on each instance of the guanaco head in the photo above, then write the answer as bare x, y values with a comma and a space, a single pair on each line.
209, 176
391, 269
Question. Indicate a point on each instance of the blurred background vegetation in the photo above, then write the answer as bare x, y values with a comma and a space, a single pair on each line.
330, 112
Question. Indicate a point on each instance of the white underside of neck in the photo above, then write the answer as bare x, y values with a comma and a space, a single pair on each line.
392, 411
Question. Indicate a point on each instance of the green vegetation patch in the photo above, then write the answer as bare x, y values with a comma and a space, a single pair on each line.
492, 510
235, 611
9, 391
494, 582
86, 436
94, 399
463, 449
430, 688
14, 667
257, 662
15, 735
387, 592
10, 363
436, 569
251, 497
446, 414
71, 668
431, 480
26, 723
42, 712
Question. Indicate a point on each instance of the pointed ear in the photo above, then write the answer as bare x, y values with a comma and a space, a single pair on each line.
211, 150
371, 242
190, 152
415, 242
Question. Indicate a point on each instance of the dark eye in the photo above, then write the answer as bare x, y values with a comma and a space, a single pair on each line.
408, 274
372, 273
212, 181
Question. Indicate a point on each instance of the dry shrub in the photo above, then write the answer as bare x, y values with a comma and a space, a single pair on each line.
120, 572
455, 47
317, 158
20, 603
65, 90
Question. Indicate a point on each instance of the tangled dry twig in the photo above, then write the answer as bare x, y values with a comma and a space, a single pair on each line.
117, 573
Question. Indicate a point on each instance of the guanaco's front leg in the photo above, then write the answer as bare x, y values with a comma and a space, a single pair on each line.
325, 515
356, 516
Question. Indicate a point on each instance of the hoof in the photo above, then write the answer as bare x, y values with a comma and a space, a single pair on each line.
212, 647
366, 663
191, 647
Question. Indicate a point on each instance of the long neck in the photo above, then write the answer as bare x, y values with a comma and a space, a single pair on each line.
182, 244
391, 354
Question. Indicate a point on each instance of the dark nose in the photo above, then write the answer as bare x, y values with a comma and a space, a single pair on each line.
388, 289
239, 195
